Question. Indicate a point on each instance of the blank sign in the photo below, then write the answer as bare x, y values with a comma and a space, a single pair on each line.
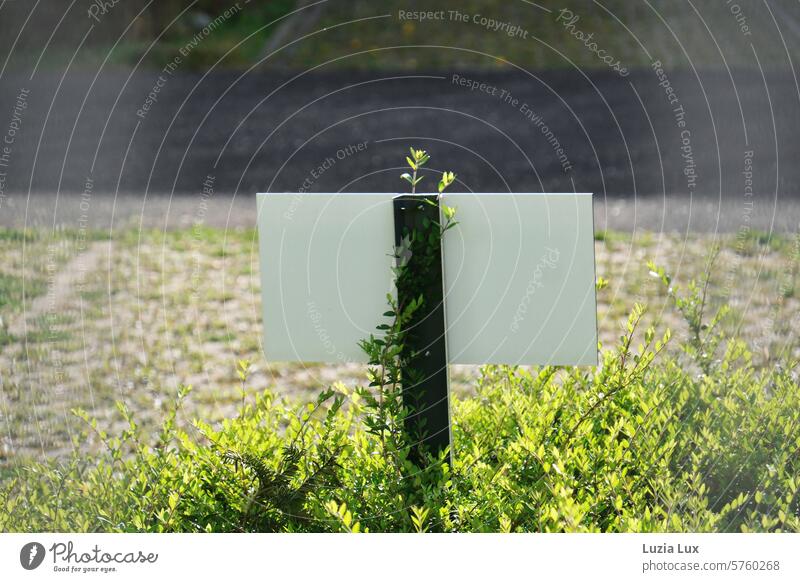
519, 279
518, 276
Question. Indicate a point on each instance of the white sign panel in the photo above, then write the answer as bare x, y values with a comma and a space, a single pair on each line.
518, 274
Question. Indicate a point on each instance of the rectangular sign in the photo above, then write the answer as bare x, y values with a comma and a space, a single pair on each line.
518, 275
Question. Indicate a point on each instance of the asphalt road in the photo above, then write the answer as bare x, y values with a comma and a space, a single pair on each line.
155, 133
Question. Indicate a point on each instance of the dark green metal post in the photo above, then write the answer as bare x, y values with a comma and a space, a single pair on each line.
425, 378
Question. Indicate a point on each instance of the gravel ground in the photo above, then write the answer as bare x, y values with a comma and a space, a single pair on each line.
130, 316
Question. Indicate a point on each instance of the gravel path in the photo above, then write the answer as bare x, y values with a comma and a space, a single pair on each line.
62, 287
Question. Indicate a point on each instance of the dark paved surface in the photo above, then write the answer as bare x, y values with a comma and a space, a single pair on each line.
268, 131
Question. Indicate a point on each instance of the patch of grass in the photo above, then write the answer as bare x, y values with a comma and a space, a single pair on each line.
93, 296
752, 242
44, 336
612, 237
18, 235
6, 338
219, 337
11, 291
87, 235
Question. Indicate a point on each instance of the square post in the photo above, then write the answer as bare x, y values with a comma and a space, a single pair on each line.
424, 375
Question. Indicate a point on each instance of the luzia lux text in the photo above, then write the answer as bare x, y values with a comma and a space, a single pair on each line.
669, 549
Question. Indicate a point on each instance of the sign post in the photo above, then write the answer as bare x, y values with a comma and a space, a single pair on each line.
425, 375
514, 284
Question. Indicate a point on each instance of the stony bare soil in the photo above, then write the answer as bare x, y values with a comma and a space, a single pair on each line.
90, 318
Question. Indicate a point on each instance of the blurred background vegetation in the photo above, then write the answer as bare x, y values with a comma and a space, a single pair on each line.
150, 33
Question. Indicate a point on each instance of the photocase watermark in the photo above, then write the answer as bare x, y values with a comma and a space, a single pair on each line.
50, 319
152, 96
743, 233
314, 314
422, 15
169, 69
508, 28
100, 8
82, 243
549, 260
508, 98
679, 114
198, 236
493, 25
83, 219
7, 146
569, 20
31, 555
548, 134
317, 172
739, 16
66, 559
747, 205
